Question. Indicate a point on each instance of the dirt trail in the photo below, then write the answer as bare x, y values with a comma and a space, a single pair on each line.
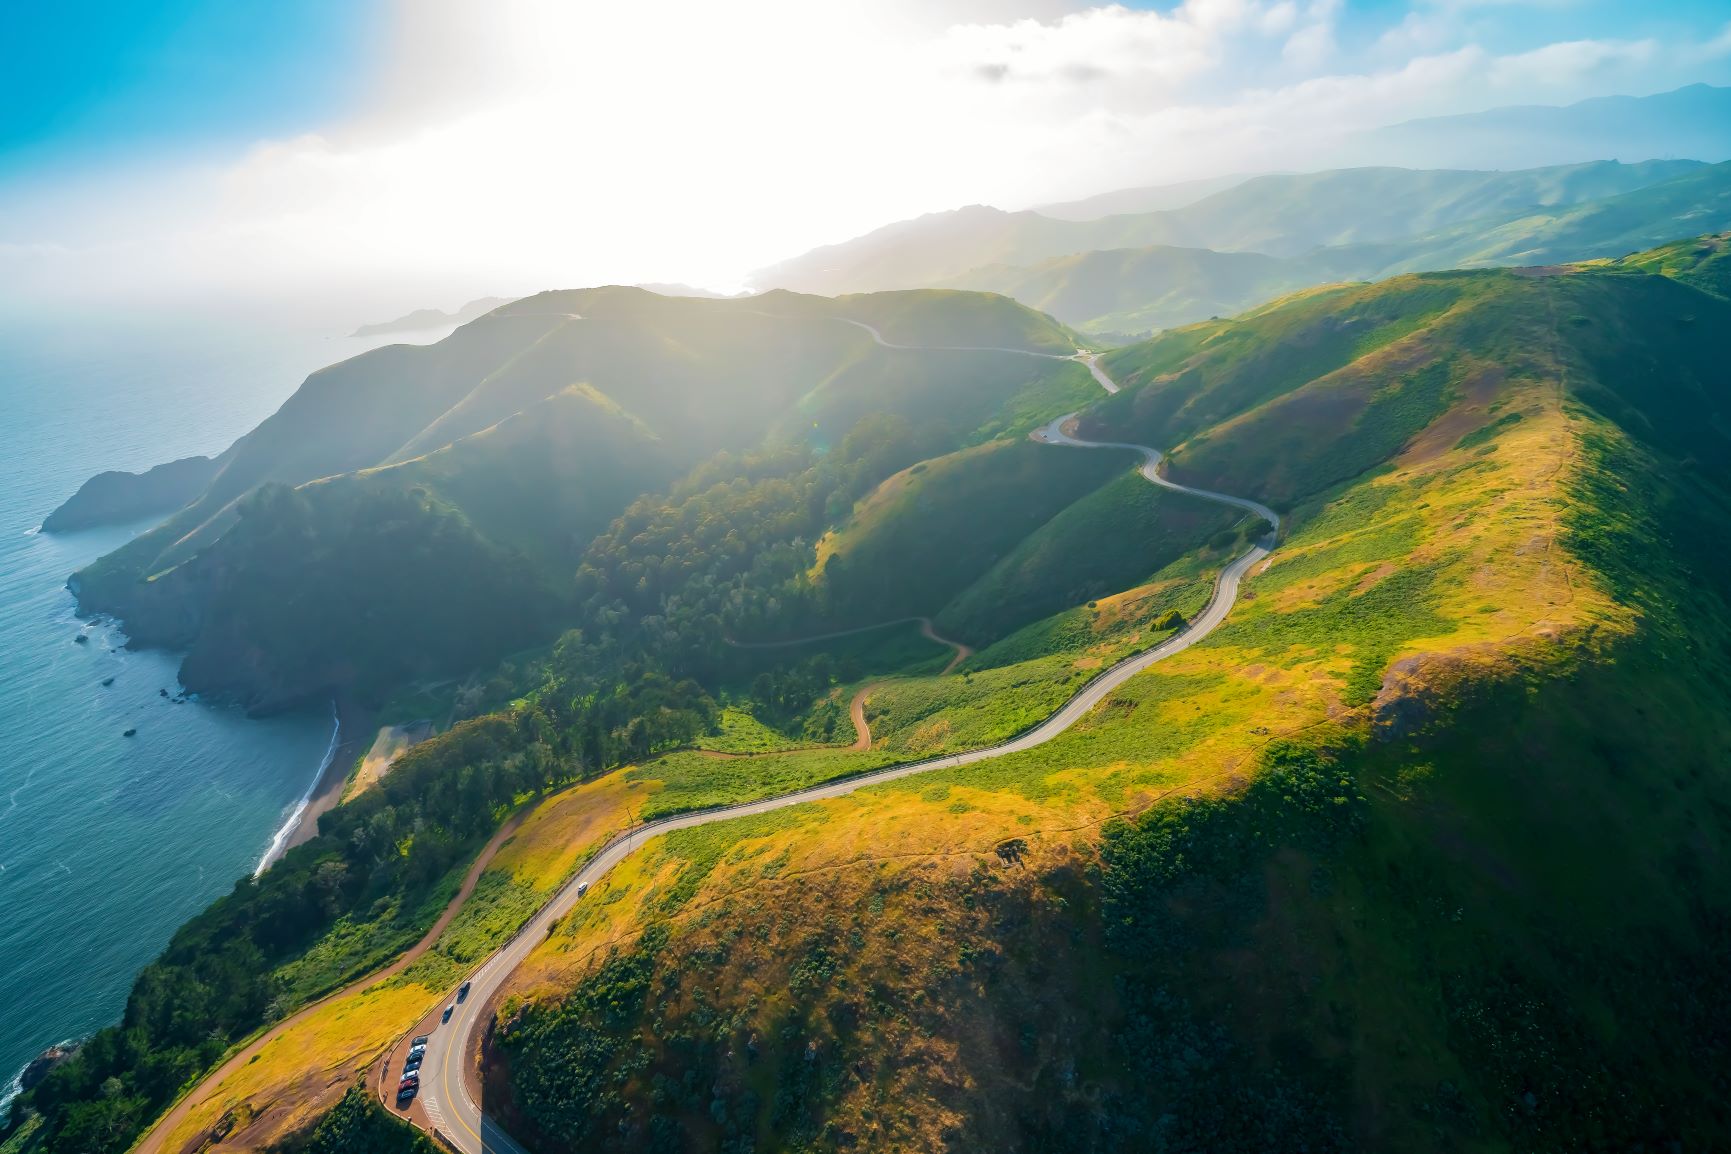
856, 708
152, 1142
963, 652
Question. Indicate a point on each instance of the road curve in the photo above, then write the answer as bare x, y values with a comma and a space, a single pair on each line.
446, 1093
153, 1139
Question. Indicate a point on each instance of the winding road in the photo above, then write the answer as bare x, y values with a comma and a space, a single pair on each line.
448, 1078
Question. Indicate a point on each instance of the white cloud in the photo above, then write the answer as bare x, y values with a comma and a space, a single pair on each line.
1719, 46
531, 143
1565, 65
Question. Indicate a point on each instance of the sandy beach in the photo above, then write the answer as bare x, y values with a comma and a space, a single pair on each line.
354, 735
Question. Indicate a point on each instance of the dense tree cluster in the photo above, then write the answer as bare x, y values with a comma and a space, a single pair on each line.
727, 552
358, 587
358, 1125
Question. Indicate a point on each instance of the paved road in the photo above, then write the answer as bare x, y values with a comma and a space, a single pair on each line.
448, 1082
153, 1140
1090, 360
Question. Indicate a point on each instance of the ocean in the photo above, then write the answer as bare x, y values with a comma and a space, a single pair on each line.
108, 843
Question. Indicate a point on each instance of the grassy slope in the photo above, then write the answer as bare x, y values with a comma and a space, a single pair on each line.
1607, 227
1107, 541
941, 317
1434, 938
930, 531
1136, 290
1700, 261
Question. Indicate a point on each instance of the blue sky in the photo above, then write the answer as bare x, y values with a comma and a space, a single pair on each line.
108, 78
117, 78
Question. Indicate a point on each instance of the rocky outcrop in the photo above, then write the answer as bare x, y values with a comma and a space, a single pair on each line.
43, 1064
115, 498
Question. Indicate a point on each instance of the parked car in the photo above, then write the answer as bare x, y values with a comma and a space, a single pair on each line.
462, 992
413, 1064
420, 1042
407, 1087
448, 1011
417, 1050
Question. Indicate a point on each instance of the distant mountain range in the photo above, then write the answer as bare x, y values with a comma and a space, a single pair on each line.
1268, 235
1693, 122
1137, 260
422, 319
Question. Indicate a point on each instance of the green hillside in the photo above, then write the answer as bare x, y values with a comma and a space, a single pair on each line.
1694, 202
1703, 262
930, 531
1139, 290
501, 452
1425, 850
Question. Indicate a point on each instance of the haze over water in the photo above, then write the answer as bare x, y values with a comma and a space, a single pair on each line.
108, 843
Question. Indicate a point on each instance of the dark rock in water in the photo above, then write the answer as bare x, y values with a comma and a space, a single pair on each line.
107, 681
130, 733
41, 1065
81, 640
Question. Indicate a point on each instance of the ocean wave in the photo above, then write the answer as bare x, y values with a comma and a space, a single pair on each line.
279, 842
16, 1086
13, 1088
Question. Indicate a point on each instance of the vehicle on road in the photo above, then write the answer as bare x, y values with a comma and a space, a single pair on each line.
582, 889
446, 1016
462, 992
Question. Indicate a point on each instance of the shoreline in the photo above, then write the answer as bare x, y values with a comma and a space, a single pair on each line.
351, 735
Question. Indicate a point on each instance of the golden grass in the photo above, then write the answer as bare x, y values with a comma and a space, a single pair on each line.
300, 1074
